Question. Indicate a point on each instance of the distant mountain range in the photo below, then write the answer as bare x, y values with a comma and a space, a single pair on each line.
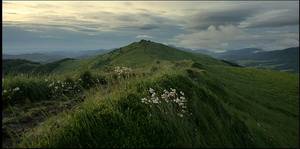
202, 51
283, 60
48, 57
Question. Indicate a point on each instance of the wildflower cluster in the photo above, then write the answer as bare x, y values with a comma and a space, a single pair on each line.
39, 90
122, 71
58, 88
10, 93
178, 100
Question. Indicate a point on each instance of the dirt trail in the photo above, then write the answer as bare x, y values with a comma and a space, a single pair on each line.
20, 119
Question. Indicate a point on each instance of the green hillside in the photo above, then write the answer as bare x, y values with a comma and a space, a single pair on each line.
18, 66
150, 95
146, 52
137, 54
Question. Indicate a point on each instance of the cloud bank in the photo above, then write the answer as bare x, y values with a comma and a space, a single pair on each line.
78, 25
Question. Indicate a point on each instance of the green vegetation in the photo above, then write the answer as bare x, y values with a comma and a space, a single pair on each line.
150, 95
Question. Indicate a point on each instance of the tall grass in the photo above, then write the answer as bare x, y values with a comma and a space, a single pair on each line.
224, 110
120, 119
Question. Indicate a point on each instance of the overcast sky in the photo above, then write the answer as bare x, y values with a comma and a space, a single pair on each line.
44, 26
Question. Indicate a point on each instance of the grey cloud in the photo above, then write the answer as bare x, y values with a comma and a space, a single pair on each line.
256, 14
273, 18
127, 18
96, 22
270, 25
17, 40
228, 16
149, 26
143, 36
232, 37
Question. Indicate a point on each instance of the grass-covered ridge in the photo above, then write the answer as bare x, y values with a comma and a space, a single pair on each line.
216, 116
149, 95
137, 54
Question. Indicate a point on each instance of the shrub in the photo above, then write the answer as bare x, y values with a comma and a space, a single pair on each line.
153, 69
21, 90
87, 80
101, 80
197, 65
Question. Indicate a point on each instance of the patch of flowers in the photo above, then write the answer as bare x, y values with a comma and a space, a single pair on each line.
171, 96
57, 88
46, 88
122, 71
10, 93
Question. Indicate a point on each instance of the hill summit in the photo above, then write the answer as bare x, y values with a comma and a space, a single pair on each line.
136, 54
145, 52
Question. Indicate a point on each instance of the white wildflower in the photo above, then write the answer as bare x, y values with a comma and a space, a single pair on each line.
168, 96
153, 94
166, 92
180, 115
155, 100
165, 97
151, 90
182, 99
177, 100
181, 104
16, 89
51, 84
182, 93
173, 90
144, 100
258, 124
172, 94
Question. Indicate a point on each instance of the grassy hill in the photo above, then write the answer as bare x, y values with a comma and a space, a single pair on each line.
35, 57
18, 66
150, 95
137, 54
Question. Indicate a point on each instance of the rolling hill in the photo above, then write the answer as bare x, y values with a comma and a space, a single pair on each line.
35, 57
18, 66
148, 95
